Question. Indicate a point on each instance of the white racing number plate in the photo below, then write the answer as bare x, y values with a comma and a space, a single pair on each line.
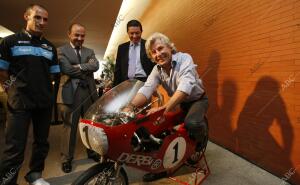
93, 138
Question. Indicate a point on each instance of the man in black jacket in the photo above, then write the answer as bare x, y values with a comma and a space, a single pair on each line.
132, 61
27, 63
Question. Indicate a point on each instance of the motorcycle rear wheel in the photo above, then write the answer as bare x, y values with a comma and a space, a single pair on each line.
102, 174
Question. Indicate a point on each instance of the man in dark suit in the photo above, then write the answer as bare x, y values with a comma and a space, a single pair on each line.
132, 61
77, 89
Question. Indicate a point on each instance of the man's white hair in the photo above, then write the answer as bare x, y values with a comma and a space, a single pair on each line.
164, 40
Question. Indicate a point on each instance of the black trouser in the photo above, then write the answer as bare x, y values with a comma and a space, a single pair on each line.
70, 115
15, 142
194, 119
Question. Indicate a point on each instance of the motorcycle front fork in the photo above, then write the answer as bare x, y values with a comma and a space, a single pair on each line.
117, 167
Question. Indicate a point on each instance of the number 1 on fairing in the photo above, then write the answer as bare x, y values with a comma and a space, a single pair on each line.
176, 153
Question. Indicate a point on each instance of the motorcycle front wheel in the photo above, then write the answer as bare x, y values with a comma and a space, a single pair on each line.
102, 174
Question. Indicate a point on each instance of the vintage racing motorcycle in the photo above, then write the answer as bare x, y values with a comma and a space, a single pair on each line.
147, 142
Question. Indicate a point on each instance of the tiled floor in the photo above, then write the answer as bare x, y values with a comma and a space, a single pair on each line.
226, 168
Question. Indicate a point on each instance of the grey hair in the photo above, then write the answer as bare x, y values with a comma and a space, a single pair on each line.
164, 40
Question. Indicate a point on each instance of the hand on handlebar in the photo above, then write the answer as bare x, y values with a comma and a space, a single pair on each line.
129, 108
155, 109
127, 114
128, 111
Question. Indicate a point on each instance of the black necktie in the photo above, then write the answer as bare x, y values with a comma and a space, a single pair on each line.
82, 82
77, 49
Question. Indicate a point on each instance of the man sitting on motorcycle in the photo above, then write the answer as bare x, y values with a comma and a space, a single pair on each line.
177, 73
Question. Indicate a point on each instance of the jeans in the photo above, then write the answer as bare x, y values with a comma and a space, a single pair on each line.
194, 120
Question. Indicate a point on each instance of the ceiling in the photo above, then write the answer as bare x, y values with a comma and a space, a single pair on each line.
98, 16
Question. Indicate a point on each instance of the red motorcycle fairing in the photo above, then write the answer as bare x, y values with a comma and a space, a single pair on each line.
104, 131
111, 132
174, 151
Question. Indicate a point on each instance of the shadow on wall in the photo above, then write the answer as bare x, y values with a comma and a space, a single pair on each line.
264, 134
210, 79
220, 113
264, 111
224, 119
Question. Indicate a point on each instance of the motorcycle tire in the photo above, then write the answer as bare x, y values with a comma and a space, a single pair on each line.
102, 174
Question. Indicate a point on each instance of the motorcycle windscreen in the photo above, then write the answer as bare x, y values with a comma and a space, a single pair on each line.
105, 110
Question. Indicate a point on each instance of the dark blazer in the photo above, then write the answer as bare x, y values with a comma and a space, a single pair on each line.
71, 76
121, 68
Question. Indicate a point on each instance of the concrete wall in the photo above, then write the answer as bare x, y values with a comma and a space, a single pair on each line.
248, 54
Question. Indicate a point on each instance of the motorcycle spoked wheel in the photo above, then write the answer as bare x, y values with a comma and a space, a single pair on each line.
102, 174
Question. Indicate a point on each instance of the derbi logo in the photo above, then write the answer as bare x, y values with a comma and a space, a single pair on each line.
136, 159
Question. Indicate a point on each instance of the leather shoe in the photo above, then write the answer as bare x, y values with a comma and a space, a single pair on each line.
154, 176
66, 167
